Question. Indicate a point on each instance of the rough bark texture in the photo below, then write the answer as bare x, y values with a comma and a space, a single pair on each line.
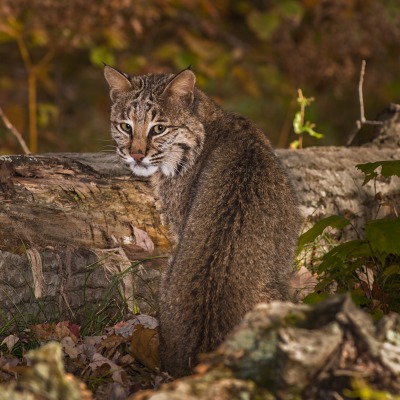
68, 225
70, 222
286, 351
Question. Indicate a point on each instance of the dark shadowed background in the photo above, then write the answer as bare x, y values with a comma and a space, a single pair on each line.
251, 56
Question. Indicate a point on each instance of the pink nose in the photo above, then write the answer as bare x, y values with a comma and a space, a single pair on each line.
137, 156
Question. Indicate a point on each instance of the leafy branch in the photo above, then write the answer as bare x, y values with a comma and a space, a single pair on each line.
301, 126
368, 267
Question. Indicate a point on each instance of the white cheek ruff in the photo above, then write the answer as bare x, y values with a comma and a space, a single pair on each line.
142, 170
167, 170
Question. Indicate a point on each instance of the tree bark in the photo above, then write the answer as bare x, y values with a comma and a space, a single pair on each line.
329, 351
71, 223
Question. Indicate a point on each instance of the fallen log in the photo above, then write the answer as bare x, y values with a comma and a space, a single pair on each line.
71, 223
281, 351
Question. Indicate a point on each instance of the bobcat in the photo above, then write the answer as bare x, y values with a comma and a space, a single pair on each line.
228, 203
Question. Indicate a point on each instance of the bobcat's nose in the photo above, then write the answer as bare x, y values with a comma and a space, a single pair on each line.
137, 156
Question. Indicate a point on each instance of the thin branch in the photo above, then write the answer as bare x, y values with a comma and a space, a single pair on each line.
45, 59
362, 121
14, 131
360, 91
24, 52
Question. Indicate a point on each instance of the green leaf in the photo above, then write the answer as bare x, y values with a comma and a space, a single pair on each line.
389, 168
359, 297
262, 24
101, 54
297, 123
315, 298
334, 221
307, 128
391, 270
384, 235
47, 112
343, 253
291, 8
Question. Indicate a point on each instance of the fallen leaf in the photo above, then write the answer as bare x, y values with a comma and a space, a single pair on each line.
70, 347
61, 331
366, 276
126, 328
126, 360
44, 332
89, 346
10, 341
143, 239
147, 321
144, 347
112, 341
107, 366
75, 331
7, 368
99, 360
303, 283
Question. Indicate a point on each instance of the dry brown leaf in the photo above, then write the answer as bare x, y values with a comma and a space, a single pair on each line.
303, 282
61, 331
10, 341
126, 328
126, 360
99, 360
144, 347
147, 321
89, 346
366, 276
70, 347
46, 332
7, 368
143, 239
74, 330
104, 366
112, 341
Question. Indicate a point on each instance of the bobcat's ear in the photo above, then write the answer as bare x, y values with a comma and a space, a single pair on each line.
118, 81
181, 88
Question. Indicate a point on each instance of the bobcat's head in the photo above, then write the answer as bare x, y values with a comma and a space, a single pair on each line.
152, 121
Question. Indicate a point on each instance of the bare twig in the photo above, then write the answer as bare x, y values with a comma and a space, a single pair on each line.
362, 121
14, 131
360, 91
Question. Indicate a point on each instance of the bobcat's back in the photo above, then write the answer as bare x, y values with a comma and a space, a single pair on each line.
228, 202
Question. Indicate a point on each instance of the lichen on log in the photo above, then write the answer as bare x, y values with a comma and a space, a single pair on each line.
289, 351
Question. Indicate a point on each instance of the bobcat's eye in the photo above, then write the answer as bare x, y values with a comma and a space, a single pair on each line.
157, 129
126, 127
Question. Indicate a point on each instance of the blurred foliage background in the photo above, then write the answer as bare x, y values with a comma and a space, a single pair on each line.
251, 56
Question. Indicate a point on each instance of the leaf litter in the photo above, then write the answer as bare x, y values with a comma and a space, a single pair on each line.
113, 366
